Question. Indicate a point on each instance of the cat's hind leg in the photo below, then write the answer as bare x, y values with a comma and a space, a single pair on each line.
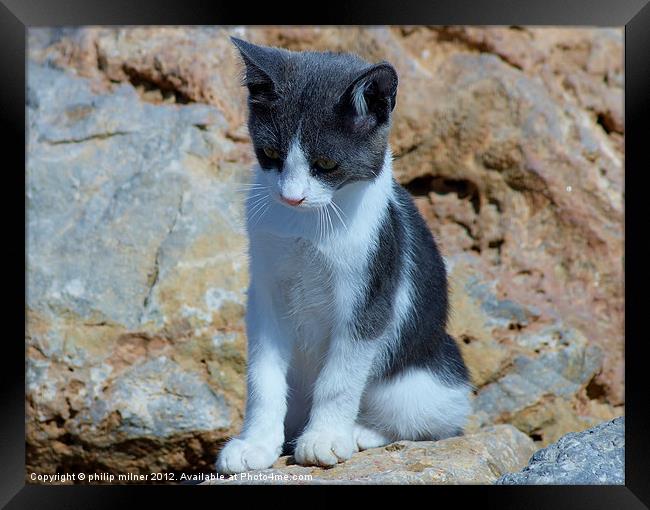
366, 437
416, 405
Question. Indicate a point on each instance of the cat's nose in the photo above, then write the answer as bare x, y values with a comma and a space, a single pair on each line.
292, 201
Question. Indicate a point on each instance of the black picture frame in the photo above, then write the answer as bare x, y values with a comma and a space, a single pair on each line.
17, 15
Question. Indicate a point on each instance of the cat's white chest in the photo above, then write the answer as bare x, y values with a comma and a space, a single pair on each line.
304, 290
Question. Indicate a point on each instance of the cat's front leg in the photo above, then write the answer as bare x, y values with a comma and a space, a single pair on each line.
260, 442
328, 437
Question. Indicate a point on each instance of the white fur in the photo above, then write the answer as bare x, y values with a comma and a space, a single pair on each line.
416, 405
358, 98
368, 437
307, 269
295, 181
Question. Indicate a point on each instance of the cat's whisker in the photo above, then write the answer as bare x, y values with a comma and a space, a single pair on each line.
254, 200
249, 192
258, 200
334, 208
338, 215
264, 199
255, 208
251, 188
254, 204
259, 216
258, 193
251, 218
325, 224
321, 217
247, 184
265, 208
320, 224
329, 221
254, 214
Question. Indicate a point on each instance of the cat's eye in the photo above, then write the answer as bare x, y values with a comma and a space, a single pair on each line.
325, 164
271, 153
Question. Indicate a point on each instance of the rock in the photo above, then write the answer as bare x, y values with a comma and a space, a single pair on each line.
472, 459
518, 141
528, 370
594, 456
136, 276
510, 139
158, 398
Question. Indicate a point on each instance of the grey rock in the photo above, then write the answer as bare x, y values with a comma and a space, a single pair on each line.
500, 312
562, 370
135, 244
158, 398
108, 182
594, 456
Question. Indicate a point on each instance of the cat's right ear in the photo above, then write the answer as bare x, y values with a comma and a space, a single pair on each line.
369, 100
263, 69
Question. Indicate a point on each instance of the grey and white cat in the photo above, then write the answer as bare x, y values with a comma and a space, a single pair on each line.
347, 304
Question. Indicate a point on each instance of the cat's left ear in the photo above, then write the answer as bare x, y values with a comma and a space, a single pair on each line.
369, 100
263, 70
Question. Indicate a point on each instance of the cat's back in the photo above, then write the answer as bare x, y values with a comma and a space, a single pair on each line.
427, 270
425, 249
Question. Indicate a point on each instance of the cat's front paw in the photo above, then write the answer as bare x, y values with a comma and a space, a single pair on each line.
324, 448
241, 455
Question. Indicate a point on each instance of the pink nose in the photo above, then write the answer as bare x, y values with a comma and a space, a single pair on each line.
292, 201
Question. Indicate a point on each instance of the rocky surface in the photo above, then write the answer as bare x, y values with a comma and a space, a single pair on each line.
510, 140
472, 459
530, 370
594, 456
136, 284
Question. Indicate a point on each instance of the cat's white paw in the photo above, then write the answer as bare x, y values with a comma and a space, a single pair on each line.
366, 437
324, 448
240, 455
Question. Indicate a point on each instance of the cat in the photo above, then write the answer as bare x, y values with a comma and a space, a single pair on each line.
347, 303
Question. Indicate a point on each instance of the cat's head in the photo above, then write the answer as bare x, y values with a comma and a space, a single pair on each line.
318, 120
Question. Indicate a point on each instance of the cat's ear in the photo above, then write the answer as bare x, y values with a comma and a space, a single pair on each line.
370, 98
263, 70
